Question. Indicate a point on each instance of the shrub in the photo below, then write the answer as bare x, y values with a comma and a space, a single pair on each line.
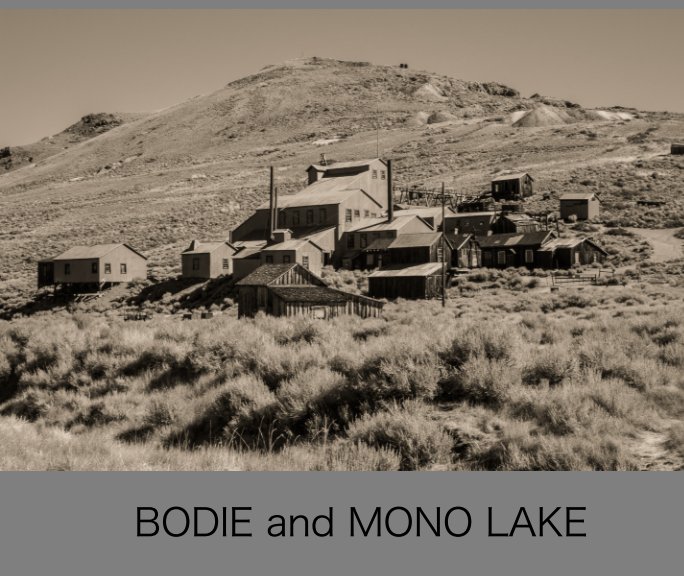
552, 366
408, 430
359, 457
481, 381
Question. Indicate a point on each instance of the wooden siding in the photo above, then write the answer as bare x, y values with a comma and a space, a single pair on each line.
306, 250
582, 209
81, 271
210, 264
411, 287
677, 149
356, 307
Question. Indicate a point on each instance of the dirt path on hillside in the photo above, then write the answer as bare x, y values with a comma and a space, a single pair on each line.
665, 245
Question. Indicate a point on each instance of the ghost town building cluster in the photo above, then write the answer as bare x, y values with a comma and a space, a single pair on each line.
347, 217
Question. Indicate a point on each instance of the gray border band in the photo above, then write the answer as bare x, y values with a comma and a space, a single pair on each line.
347, 4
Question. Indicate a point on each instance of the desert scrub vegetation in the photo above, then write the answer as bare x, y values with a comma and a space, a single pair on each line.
511, 380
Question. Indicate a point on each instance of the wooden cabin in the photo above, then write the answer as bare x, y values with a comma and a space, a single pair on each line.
246, 261
569, 252
516, 223
465, 251
581, 205
292, 290
406, 249
512, 250
676, 149
478, 223
86, 268
419, 282
512, 186
207, 259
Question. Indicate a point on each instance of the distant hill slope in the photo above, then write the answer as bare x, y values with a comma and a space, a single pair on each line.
195, 169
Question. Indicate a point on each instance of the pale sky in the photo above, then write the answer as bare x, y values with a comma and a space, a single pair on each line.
60, 65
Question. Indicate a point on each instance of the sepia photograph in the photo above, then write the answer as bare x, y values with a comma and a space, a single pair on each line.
341, 240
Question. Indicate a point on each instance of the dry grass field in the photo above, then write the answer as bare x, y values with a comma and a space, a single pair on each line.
510, 375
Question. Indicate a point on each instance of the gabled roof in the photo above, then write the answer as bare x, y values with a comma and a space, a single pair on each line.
579, 196
397, 223
345, 165
247, 252
207, 247
292, 244
512, 176
569, 243
93, 252
458, 240
512, 240
427, 269
424, 211
267, 274
519, 217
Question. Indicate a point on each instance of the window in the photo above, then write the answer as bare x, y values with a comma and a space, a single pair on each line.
269, 259
529, 256
309, 217
305, 262
295, 218
366, 213
322, 215
357, 213
281, 220
347, 215
123, 269
226, 263
286, 258
93, 267
196, 263
382, 174
108, 268
67, 269
375, 174
501, 257
364, 240
350, 241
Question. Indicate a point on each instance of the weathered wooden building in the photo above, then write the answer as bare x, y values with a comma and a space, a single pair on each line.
207, 259
430, 214
406, 249
292, 290
516, 222
465, 251
506, 250
478, 223
581, 205
512, 186
93, 267
677, 148
418, 282
569, 252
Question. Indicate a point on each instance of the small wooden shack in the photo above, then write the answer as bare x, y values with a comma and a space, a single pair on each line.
581, 205
418, 282
478, 223
207, 259
677, 149
512, 186
569, 252
292, 250
516, 222
292, 290
86, 268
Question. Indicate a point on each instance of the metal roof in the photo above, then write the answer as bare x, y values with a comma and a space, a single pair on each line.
457, 215
503, 240
415, 240
568, 243
458, 240
427, 269
512, 176
578, 196
91, 252
247, 252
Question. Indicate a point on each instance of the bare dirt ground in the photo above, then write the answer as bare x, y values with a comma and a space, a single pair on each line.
649, 447
665, 245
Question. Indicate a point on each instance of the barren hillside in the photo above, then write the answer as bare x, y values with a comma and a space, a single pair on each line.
195, 169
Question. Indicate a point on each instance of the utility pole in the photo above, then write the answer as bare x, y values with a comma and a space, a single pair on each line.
443, 250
